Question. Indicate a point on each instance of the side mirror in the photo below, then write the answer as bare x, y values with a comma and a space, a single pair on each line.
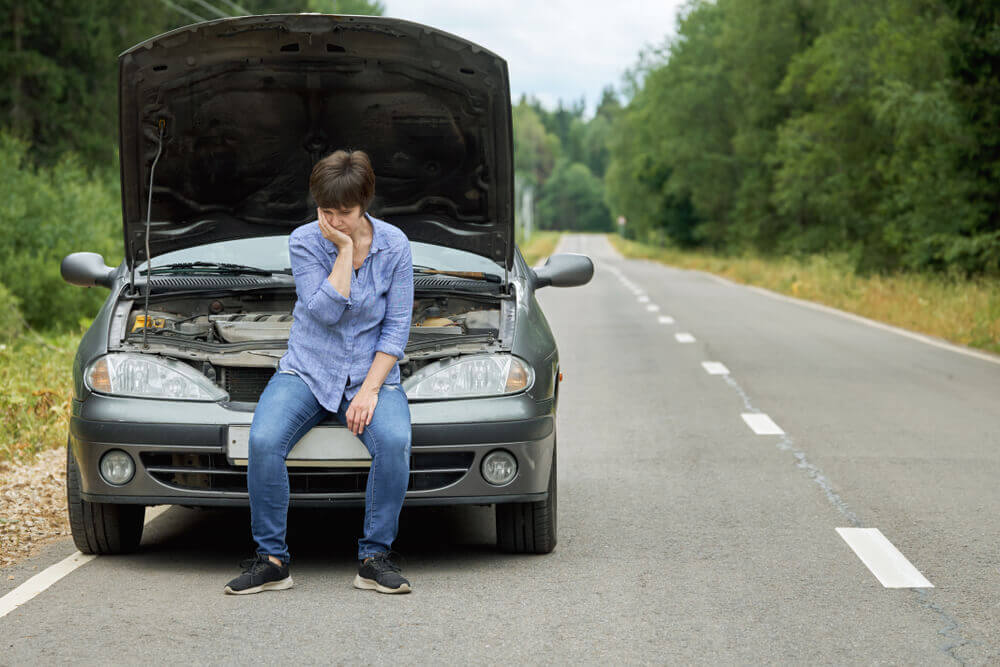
86, 269
566, 269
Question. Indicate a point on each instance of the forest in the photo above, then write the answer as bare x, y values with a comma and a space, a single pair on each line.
802, 127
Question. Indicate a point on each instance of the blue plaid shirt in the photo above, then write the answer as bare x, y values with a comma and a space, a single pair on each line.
334, 338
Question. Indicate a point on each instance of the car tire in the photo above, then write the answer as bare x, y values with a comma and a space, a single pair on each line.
529, 528
100, 528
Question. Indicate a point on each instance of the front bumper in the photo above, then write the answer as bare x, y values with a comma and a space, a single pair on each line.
180, 453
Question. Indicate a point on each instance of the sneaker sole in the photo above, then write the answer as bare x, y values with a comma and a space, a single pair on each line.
372, 585
279, 585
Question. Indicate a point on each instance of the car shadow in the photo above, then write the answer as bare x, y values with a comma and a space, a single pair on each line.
209, 536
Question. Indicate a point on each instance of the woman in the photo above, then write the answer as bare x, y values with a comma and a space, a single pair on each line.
354, 285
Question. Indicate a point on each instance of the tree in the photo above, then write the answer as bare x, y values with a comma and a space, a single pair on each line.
535, 149
573, 198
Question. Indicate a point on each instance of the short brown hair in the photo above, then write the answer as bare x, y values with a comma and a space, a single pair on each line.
343, 179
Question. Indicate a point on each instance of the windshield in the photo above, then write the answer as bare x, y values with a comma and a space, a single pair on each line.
271, 253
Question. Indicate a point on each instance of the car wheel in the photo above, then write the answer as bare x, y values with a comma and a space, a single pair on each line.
100, 528
529, 528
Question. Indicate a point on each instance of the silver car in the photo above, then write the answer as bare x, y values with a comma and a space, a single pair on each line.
220, 124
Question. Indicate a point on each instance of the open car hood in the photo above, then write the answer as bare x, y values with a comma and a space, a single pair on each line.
247, 106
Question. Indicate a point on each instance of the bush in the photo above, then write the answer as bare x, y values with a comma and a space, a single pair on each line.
47, 214
11, 320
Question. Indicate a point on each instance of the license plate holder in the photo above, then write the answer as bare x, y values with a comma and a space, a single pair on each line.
322, 446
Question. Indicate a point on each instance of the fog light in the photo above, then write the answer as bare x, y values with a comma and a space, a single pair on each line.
499, 467
117, 467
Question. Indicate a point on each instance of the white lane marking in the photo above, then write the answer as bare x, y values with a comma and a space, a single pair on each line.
153, 512
41, 581
985, 356
665, 319
884, 560
714, 368
54, 573
684, 338
643, 299
761, 424
652, 308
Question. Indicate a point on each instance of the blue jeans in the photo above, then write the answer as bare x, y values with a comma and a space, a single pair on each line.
285, 412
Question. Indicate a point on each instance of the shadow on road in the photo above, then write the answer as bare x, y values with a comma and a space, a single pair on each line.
328, 536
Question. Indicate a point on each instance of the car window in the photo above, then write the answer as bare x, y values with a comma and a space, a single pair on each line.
271, 253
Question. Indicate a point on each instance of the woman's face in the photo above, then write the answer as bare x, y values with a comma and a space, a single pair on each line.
346, 220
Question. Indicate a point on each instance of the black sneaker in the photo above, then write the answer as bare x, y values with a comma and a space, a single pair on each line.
259, 574
381, 574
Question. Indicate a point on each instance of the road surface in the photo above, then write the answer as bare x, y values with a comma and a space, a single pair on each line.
685, 535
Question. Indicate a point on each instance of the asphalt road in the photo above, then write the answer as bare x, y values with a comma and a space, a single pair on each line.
684, 536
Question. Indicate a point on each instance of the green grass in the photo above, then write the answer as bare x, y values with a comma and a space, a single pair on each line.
962, 311
541, 245
36, 388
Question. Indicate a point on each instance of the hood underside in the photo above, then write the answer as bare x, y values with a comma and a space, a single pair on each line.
246, 107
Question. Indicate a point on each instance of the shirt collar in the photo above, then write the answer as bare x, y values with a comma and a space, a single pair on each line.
379, 239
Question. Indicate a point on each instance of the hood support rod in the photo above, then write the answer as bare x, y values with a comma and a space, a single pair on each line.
149, 260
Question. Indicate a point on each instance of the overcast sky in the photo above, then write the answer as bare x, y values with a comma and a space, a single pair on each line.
554, 48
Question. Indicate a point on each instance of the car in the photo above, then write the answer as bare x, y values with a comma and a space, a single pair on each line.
220, 125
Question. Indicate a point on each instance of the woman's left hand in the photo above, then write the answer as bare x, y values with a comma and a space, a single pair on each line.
361, 409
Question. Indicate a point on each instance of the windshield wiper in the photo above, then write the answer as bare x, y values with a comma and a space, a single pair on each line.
214, 267
472, 275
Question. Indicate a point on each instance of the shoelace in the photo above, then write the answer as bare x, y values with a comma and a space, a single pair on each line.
255, 565
382, 563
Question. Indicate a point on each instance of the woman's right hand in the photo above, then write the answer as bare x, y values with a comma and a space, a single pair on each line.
334, 235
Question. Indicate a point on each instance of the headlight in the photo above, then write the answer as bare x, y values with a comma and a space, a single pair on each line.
472, 375
149, 376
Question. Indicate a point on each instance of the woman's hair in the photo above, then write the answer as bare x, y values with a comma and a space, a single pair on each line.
343, 179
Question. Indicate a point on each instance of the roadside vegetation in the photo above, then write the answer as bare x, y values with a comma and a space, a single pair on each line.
36, 387
539, 246
953, 308
789, 128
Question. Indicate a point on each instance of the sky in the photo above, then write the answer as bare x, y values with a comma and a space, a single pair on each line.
554, 48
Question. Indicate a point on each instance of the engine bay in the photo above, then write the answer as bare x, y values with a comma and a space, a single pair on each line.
242, 335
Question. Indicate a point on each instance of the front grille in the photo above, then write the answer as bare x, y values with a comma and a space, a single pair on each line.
245, 384
213, 472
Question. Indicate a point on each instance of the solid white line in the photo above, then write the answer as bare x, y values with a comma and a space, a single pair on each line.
884, 560
684, 338
652, 308
761, 424
154, 511
41, 581
665, 319
715, 368
984, 356
54, 573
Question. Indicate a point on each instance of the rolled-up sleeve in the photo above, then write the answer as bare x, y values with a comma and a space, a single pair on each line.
399, 307
311, 284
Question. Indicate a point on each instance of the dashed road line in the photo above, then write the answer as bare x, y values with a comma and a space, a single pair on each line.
885, 561
684, 338
643, 299
715, 368
652, 308
665, 319
761, 424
